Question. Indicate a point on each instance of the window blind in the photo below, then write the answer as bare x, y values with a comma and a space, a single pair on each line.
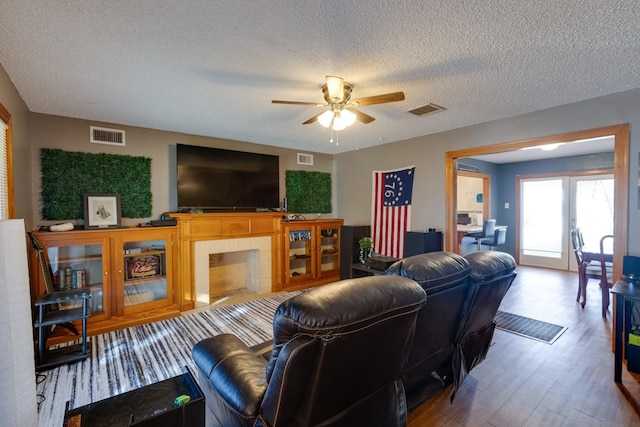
4, 167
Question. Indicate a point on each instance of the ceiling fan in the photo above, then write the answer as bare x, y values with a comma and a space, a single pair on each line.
340, 109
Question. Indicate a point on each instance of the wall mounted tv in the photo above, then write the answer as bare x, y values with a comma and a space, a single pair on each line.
218, 179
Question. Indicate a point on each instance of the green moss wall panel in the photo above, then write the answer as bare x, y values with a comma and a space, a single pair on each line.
67, 175
308, 192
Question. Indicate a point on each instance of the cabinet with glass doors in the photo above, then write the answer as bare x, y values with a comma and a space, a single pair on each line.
129, 272
312, 250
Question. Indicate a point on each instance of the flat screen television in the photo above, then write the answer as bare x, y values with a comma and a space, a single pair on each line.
217, 179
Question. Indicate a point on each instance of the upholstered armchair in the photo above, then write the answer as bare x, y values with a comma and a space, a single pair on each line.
337, 360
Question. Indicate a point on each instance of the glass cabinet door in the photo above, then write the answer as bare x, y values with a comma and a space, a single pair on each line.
145, 275
79, 266
329, 250
300, 254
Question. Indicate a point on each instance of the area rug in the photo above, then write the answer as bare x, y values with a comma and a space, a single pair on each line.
134, 357
527, 327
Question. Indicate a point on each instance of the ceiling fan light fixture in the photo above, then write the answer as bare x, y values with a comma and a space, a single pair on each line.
338, 122
325, 118
340, 111
335, 87
348, 117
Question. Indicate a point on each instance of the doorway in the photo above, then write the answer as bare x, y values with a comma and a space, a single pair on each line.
551, 206
620, 134
473, 204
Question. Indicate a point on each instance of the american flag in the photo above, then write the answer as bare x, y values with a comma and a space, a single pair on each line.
391, 210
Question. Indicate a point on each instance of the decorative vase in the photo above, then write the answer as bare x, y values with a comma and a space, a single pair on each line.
365, 253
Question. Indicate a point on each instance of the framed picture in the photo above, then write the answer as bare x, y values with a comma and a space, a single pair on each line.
101, 210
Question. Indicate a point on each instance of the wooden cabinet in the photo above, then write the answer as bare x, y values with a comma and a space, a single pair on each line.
143, 271
129, 272
312, 253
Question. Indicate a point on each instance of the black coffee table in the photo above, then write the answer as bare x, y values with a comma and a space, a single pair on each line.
152, 405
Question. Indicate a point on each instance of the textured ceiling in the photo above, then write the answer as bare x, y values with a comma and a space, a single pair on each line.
212, 67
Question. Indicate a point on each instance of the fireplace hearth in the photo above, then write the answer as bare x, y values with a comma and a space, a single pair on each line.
228, 265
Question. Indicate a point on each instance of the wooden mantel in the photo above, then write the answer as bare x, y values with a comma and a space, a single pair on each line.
194, 227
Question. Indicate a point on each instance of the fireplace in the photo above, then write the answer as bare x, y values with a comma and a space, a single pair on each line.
227, 265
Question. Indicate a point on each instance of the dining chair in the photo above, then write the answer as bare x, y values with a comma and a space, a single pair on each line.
589, 266
606, 273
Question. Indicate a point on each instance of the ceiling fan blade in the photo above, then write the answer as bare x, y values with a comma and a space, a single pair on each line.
335, 87
380, 99
362, 117
276, 101
313, 119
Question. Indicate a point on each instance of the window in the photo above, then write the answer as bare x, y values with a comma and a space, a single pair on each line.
6, 165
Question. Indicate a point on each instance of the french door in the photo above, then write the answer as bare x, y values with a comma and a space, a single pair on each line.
551, 206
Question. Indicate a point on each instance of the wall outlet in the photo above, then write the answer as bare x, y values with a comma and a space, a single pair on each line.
506, 205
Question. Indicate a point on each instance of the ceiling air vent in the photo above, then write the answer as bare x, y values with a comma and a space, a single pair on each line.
426, 110
100, 135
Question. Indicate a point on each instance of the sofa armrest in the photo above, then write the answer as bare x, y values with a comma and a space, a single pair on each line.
263, 349
234, 371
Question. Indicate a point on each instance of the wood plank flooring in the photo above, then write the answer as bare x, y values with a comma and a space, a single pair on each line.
523, 382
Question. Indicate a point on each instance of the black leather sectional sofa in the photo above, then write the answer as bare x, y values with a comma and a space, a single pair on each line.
455, 327
361, 351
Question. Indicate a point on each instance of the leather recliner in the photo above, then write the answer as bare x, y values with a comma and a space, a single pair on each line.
492, 274
455, 327
338, 356
445, 278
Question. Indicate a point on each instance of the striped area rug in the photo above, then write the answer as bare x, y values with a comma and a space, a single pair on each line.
134, 357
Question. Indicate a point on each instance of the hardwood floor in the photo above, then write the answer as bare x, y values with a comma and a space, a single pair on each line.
523, 382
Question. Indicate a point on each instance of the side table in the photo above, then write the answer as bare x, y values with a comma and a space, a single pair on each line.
50, 315
627, 293
361, 270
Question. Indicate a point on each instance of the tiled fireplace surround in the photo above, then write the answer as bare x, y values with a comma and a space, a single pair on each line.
253, 239
254, 258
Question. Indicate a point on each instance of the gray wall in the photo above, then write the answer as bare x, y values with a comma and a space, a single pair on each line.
351, 171
73, 135
427, 153
20, 123
33, 131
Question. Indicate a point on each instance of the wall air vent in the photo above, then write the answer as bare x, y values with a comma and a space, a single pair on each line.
426, 110
305, 159
467, 168
100, 135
